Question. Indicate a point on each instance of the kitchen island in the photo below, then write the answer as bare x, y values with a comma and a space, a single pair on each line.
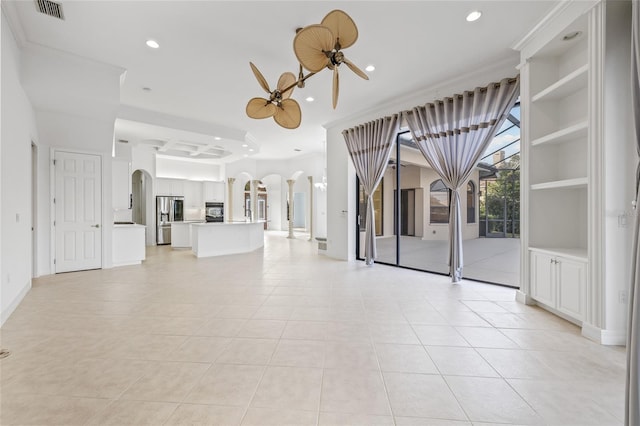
181, 233
218, 239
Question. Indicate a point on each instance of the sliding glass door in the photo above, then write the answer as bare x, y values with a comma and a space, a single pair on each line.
412, 211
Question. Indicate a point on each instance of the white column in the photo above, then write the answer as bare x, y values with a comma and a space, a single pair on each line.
291, 182
254, 200
230, 182
310, 207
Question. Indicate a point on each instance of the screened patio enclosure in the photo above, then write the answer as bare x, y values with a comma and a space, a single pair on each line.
412, 211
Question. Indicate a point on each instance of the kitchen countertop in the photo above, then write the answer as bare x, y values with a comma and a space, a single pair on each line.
128, 225
228, 223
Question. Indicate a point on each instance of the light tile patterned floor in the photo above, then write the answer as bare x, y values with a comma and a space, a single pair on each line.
286, 336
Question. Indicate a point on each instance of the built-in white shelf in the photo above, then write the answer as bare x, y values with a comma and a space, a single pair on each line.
565, 86
568, 133
577, 253
561, 184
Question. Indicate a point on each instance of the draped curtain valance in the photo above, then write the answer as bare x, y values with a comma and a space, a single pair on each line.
369, 146
452, 134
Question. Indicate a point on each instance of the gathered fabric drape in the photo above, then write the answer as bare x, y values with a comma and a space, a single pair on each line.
452, 134
632, 412
369, 146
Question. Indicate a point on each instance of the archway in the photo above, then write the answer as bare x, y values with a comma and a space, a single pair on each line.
142, 202
239, 210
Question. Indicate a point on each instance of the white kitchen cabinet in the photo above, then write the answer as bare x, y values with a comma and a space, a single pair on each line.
213, 191
128, 247
121, 184
177, 187
193, 195
163, 186
166, 186
560, 282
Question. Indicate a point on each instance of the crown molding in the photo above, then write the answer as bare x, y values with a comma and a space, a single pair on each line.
543, 23
435, 91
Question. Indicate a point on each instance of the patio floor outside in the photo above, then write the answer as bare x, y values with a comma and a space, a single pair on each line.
495, 260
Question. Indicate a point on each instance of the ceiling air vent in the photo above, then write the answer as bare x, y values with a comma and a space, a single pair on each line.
50, 8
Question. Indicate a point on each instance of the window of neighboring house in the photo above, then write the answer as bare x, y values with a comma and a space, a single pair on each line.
471, 202
439, 202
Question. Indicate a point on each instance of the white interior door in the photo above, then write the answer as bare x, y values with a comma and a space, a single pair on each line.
78, 220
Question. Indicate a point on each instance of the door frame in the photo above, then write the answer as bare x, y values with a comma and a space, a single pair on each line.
52, 205
34, 209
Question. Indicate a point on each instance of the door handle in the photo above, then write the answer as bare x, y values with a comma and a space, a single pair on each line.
96, 225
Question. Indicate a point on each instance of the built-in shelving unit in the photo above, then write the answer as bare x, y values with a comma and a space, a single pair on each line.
565, 86
572, 132
575, 118
562, 184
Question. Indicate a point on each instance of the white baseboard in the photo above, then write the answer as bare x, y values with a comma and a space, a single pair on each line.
604, 337
524, 298
126, 263
4, 316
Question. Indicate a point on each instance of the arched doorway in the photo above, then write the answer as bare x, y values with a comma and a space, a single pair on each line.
142, 202
261, 207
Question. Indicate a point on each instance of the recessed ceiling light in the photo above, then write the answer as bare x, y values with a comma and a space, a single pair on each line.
572, 35
474, 16
153, 44
217, 138
244, 145
245, 155
250, 149
309, 99
370, 68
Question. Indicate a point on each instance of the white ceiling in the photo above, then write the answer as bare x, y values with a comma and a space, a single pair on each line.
201, 74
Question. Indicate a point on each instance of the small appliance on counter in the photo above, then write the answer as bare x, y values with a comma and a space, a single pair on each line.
214, 212
168, 209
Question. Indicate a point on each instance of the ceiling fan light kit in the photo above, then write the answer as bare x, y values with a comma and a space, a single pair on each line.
316, 47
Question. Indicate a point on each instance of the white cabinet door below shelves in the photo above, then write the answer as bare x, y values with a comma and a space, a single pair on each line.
543, 280
572, 287
560, 283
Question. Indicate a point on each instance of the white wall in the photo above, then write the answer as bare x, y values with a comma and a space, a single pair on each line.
63, 131
58, 101
185, 169
619, 188
341, 194
18, 130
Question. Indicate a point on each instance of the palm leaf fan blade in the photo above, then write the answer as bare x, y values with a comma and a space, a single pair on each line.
342, 26
355, 69
288, 114
310, 45
336, 87
287, 79
260, 108
260, 78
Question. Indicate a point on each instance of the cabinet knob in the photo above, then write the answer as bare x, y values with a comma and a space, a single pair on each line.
95, 226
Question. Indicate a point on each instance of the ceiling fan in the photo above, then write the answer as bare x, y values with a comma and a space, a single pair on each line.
285, 111
316, 47
320, 46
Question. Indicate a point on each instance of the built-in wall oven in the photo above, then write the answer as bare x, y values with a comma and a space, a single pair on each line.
214, 212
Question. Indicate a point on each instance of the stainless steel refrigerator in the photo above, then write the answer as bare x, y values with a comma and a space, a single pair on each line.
168, 209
